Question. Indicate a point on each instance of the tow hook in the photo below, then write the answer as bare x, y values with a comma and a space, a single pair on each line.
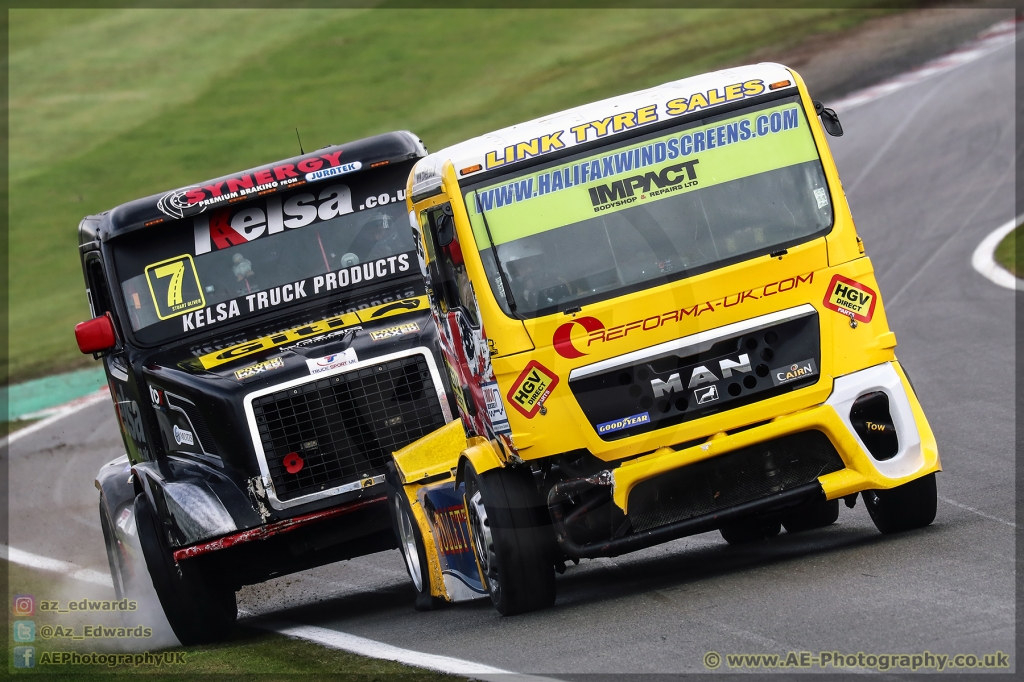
851, 500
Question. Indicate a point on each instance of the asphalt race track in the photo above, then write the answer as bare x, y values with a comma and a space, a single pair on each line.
929, 171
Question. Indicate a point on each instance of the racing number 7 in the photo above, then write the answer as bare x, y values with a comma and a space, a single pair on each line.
177, 274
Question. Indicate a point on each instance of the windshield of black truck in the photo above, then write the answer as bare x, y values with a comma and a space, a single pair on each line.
325, 239
653, 209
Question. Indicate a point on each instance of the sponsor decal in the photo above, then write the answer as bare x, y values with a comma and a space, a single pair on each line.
323, 337
798, 370
259, 368
332, 361
495, 407
320, 329
532, 388
624, 423
706, 395
155, 396
451, 524
197, 198
174, 285
701, 374
598, 333
620, 122
850, 298
392, 332
621, 192
331, 172
397, 308
182, 437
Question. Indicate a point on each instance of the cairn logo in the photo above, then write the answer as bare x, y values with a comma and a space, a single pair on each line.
706, 395
562, 338
798, 370
850, 298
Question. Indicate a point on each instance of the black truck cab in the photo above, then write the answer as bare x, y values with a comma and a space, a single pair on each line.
268, 345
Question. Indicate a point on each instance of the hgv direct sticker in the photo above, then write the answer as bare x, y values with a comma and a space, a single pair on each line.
531, 388
850, 298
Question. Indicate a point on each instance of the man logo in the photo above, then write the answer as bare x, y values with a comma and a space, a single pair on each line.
562, 338
706, 395
701, 375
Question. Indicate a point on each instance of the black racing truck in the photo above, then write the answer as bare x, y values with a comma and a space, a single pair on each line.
268, 344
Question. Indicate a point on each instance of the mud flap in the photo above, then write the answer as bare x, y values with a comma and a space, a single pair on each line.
427, 469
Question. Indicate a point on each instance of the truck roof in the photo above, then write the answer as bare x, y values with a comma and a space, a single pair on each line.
597, 120
152, 211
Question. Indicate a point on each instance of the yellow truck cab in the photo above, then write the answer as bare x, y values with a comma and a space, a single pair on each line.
658, 320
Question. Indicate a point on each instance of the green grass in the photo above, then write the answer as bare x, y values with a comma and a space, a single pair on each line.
111, 105
1006, 252
248, 652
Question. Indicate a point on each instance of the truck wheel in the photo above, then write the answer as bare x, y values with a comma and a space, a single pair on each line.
905, 507
119, 574
749, 530
410, 543
199, 610
509, 523
819, 515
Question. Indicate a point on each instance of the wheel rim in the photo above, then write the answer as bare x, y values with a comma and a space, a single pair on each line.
482, 538
409, 551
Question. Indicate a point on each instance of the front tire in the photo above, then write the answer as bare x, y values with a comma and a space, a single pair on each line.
199, 609
906, 507
119, 573
410, 544
510, 528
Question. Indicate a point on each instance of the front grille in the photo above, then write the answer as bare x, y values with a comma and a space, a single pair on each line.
734, 478
346, 425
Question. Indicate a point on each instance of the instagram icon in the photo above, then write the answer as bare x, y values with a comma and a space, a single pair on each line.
24, 605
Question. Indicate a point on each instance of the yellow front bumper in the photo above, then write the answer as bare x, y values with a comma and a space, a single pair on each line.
917, 456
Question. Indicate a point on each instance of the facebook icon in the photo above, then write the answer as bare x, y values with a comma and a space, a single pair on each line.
24, 657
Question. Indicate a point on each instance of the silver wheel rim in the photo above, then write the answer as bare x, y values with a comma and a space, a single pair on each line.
409, 551
481, 531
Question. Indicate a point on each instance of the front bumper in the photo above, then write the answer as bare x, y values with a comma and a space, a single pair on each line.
917, 455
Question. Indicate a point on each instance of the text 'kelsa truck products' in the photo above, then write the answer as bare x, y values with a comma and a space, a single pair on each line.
268, 345
658, 320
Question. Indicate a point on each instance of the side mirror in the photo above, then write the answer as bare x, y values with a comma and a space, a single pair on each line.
445, 230
96, 335
829, 120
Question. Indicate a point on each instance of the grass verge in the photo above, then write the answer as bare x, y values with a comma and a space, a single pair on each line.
248, 652
110, 105
1006, 251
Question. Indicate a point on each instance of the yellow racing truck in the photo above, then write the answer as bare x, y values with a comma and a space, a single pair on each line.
658, 320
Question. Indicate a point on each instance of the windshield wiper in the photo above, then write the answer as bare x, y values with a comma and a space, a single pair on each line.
497, 263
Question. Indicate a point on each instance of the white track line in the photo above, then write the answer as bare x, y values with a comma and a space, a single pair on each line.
984, 260
64, 410
42, 563
991, 39
1011, 524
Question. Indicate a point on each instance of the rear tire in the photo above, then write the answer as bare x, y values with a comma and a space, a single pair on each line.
199, 609
410, 544
818, 515
511, 528
906, 507
746, 531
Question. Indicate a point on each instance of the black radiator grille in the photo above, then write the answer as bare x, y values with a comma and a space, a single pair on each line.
346, 425
733, 478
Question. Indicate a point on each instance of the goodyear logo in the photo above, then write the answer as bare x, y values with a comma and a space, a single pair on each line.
624, 423
258, 368
532, 388
851, 298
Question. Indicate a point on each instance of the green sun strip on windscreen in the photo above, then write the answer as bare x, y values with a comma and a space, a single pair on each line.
649, 171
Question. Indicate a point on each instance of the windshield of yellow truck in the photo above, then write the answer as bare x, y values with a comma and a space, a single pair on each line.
651, 210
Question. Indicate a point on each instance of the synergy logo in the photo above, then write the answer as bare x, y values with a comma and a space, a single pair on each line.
624, 423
